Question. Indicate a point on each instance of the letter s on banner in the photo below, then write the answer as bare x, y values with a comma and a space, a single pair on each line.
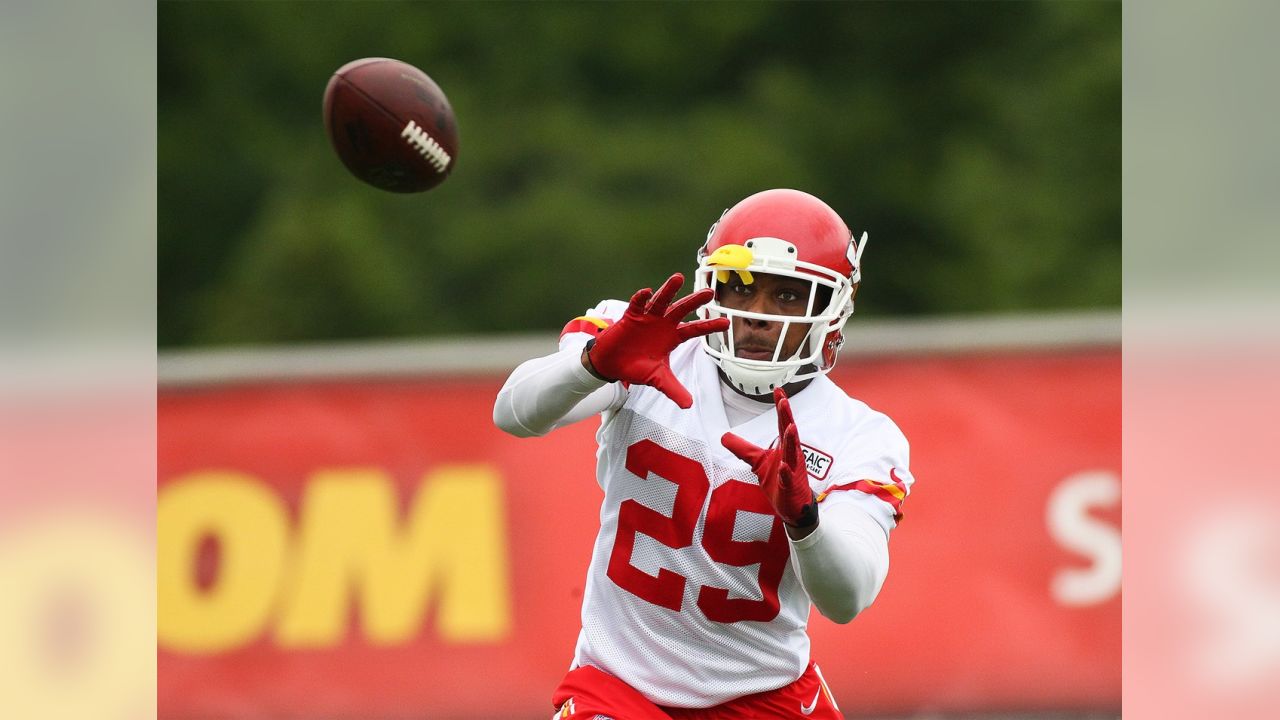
1071, 525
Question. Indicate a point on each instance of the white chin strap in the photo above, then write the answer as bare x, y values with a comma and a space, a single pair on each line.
756, 380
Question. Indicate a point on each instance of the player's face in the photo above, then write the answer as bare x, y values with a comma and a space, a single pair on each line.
755, 339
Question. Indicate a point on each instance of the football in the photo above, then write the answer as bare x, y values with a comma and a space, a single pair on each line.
391, 125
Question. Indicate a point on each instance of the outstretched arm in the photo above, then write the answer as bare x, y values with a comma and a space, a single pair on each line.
577, 382
842, 552
550, 392
843, 563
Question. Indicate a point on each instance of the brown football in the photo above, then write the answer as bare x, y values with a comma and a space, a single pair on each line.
391, 125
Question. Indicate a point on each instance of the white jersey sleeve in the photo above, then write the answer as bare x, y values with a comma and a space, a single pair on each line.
556, 390
860, 488
873, 471
843, 563
579, 330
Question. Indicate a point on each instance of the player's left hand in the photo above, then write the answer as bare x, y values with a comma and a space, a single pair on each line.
781, 468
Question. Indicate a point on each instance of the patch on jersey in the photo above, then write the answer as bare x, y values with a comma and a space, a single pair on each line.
893, 492
591, 325
818, 462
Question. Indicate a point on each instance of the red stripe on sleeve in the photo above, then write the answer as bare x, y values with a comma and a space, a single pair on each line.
591, 326
893, 494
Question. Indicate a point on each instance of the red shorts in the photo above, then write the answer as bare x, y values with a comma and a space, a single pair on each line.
586, 692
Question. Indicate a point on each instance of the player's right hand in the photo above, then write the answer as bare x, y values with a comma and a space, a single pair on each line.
636, 348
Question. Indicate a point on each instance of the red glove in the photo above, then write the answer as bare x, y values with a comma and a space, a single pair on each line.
636, 349
781, 469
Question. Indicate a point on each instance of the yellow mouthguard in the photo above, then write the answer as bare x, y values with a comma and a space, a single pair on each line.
735, 258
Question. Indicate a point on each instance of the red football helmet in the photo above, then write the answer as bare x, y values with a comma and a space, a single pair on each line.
789, 233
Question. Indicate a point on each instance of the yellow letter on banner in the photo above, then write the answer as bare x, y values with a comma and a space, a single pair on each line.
250, 525
450, 549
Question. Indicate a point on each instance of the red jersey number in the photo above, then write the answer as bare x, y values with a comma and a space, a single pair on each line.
667, 588
772, 554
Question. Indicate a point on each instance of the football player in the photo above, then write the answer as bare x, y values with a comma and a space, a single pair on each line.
740, 484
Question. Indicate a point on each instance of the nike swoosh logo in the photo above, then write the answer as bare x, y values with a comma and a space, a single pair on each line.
808, 709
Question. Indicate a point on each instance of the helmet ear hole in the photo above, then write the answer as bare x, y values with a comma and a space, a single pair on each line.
823, 297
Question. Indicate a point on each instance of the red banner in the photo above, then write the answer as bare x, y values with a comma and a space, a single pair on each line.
380, 549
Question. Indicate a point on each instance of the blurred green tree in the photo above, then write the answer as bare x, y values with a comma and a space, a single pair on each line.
978, 143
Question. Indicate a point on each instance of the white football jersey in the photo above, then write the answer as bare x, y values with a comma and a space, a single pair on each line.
691, 597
